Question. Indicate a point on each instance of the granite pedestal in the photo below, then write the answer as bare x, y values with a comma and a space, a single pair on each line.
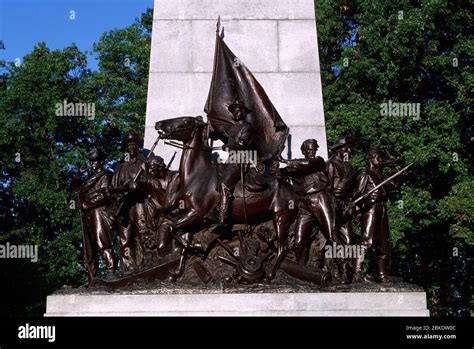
372, 300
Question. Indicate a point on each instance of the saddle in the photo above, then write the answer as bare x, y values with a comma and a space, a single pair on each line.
255, 183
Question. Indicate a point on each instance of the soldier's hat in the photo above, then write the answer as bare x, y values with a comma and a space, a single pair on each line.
372, 152
94, 154
132, 138
308, 142
341, 141
155, 159
237, 104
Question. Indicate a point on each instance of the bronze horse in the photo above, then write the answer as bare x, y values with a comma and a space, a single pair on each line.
199, 180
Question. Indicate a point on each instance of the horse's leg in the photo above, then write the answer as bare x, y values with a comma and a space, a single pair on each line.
186, 219
182, 259
188, 237
281, 222
284, 208
179, 223
163, 239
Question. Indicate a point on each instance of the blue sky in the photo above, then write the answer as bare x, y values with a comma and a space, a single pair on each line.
24, 23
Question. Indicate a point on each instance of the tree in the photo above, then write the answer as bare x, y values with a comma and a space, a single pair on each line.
376, 53
41, 145
37, 148
122, 79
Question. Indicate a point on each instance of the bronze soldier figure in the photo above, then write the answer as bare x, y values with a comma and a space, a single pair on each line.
339, 173
239, 137
374, 218
341, 182
161, 184
131, 218
316, 205
96, 223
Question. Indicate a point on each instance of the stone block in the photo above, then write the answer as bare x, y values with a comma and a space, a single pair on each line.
297, 46
253, 42
229, 9
240, 304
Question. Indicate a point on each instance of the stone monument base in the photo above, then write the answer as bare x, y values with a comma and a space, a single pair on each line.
343, 300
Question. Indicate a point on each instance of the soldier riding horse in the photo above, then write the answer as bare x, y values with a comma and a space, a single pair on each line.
199, 181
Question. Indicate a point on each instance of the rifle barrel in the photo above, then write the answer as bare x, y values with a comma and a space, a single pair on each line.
380, 185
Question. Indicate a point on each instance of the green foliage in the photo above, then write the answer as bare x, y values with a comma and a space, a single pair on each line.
122, 79
457, 209
421, 55
407, 52
34, 191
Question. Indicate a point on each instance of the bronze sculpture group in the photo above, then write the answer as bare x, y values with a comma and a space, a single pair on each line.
245, 220
156, 215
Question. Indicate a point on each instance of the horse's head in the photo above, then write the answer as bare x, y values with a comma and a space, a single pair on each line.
180, 129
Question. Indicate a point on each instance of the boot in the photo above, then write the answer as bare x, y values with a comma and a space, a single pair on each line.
332, 267
381, 271
223, 204
301, 253
108, 259
343, 271
358, 276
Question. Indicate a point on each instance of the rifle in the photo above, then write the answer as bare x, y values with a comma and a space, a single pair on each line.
366, 195
171, 160
87, 248
140, 171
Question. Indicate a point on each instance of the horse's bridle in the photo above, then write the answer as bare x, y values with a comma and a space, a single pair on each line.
182, 146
